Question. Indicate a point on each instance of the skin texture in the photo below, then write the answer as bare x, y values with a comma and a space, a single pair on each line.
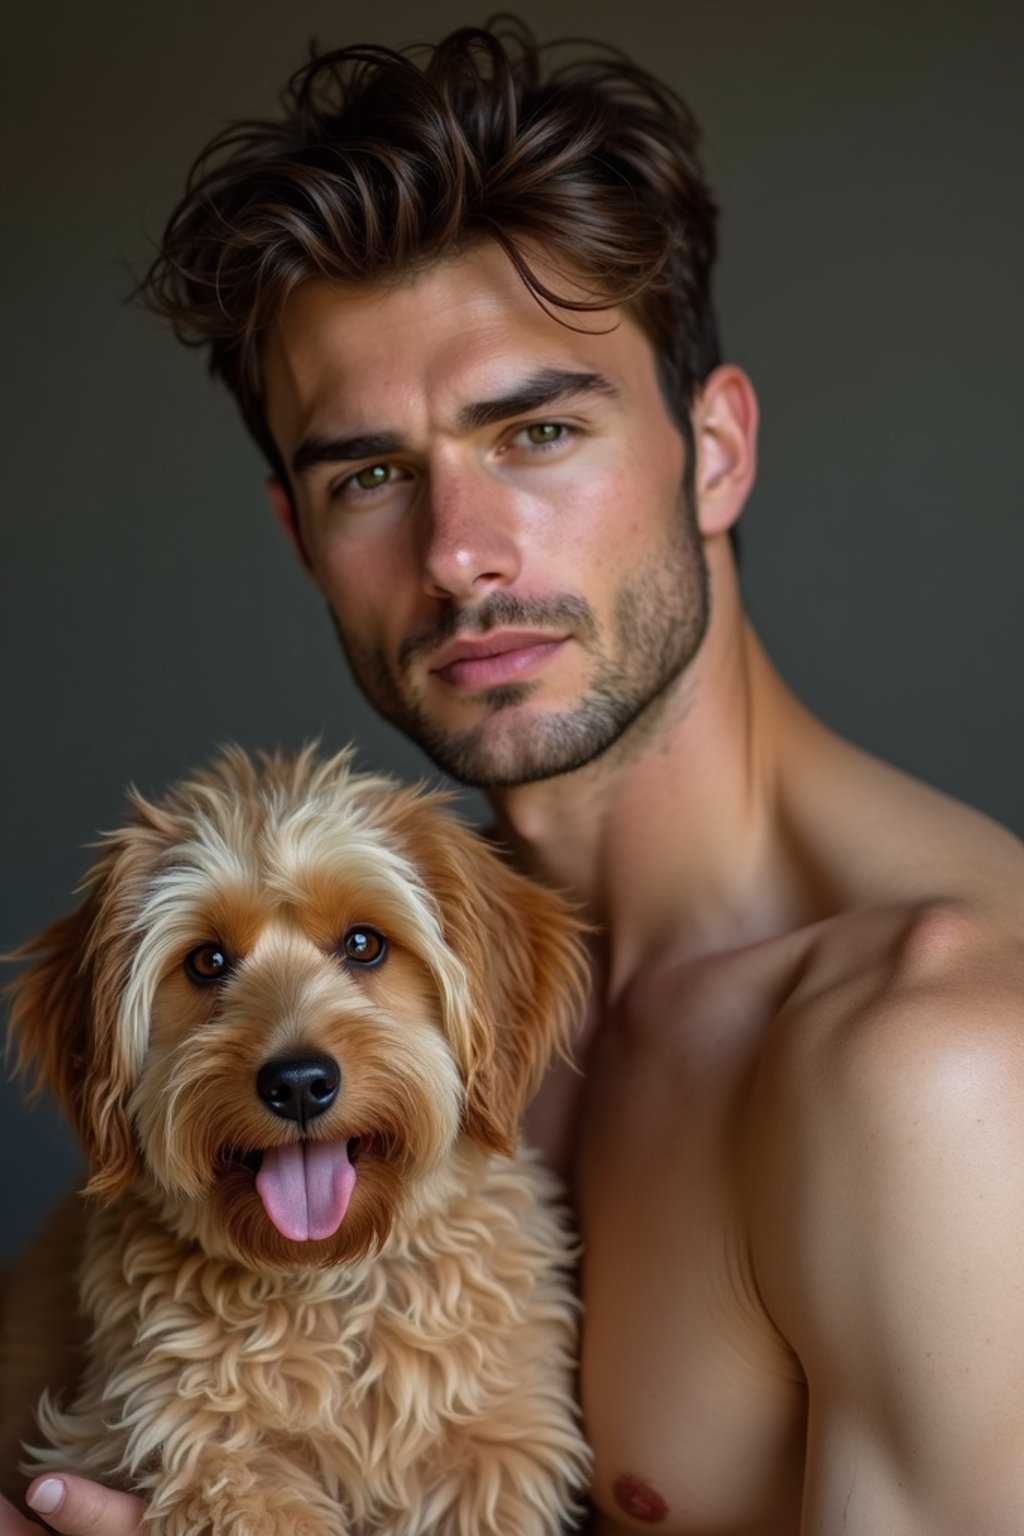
797, 1147
402, 588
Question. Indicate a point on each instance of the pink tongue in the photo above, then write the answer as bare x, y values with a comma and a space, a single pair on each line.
306, 1187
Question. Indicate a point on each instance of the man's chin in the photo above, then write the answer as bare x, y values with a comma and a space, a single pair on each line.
522, 746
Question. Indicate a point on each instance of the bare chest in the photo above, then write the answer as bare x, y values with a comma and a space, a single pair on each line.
694, 1406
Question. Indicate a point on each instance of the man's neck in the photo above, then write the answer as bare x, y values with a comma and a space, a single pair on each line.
673, 841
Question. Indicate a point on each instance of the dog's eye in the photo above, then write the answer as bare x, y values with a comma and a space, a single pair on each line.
207, 963
364, 945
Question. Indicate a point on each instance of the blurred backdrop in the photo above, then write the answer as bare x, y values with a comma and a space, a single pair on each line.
867, 158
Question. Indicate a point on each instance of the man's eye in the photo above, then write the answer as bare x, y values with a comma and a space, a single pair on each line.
540, 433
372, 477
543, 434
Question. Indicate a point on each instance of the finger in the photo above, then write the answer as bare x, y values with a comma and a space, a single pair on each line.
77, 1507
14, 1524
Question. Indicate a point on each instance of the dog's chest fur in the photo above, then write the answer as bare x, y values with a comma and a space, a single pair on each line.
374, 1377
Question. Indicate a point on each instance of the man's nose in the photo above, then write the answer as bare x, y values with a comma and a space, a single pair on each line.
470, 537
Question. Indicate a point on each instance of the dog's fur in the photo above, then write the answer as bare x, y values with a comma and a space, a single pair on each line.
412, 1373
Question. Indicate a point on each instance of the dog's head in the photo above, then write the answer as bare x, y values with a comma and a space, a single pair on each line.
289, 991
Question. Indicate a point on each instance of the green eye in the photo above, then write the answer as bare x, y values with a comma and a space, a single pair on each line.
207, 963
372, 476
364, 946
541, 432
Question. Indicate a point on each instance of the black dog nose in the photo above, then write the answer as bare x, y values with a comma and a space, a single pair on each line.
299, 1087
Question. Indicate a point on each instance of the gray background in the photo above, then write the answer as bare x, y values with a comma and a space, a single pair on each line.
867, 157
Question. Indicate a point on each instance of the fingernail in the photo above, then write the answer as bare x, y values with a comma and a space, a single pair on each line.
47, 1497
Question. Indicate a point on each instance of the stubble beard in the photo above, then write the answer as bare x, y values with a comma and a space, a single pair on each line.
660, 619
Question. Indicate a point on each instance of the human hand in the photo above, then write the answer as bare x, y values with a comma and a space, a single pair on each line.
75, 1507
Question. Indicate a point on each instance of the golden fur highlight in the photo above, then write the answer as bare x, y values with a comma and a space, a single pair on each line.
412, 1374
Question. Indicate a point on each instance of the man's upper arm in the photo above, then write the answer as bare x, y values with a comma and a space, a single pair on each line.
890, 1248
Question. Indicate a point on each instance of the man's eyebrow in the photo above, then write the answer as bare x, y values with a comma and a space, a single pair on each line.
315, 450
544, 388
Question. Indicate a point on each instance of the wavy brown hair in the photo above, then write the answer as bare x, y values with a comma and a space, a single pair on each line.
383, 163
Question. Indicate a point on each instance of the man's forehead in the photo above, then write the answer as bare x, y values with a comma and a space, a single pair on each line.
476, 283
464, 332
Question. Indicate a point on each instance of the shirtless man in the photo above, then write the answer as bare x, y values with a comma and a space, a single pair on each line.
509, 456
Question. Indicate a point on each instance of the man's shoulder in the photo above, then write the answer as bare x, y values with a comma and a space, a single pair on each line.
924, 963
889, 991
898, 1056
886, 1177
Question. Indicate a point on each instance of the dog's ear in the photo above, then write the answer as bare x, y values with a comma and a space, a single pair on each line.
64, 1030
522, 951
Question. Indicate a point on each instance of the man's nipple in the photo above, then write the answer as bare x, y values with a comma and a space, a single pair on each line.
638, 1500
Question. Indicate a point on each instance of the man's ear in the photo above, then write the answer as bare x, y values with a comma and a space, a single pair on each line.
283, 507
725, 418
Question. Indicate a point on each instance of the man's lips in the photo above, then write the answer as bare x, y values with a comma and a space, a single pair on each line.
485, 661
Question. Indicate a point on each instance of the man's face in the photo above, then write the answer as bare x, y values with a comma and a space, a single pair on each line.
493, 506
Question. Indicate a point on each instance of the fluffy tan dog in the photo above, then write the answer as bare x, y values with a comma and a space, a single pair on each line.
294, 1023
